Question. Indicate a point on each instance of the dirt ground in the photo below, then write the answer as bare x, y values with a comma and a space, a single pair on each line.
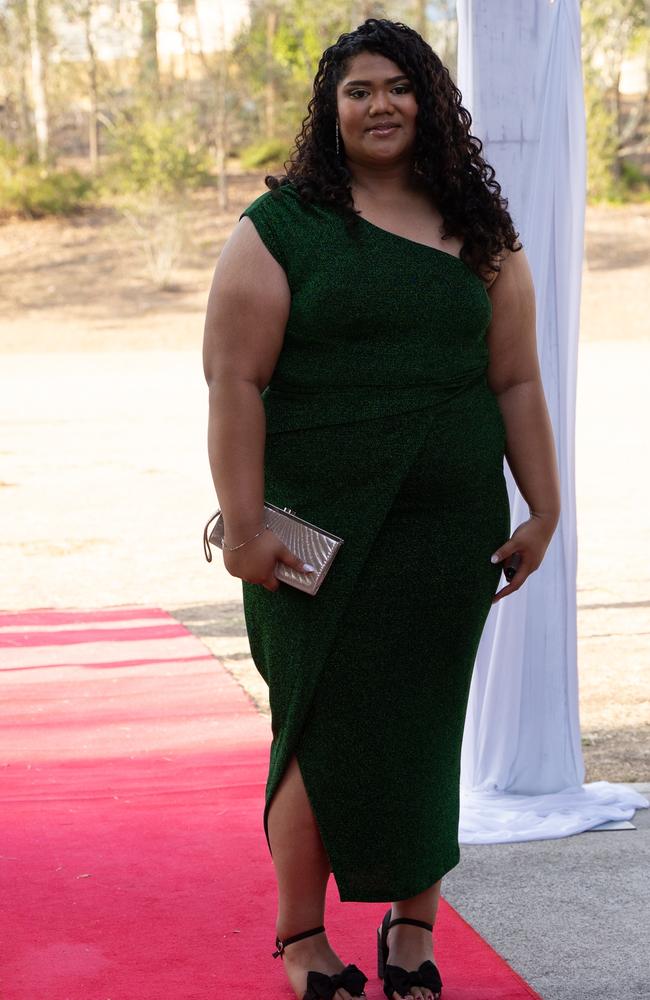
83, 284
102, 417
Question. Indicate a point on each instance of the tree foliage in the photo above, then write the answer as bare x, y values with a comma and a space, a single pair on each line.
154, 155
253, 100
612, 31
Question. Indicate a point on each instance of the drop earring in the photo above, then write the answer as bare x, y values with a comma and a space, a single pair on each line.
337, 138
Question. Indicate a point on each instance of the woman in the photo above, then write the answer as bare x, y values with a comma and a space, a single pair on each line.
370, 352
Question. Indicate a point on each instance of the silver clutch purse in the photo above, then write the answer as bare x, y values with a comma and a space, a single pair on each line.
311, 544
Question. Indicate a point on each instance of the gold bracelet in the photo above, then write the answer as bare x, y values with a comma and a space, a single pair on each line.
231, 548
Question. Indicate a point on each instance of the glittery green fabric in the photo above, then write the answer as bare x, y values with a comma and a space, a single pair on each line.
381, 428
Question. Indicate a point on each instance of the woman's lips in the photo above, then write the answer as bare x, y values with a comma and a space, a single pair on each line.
386, 130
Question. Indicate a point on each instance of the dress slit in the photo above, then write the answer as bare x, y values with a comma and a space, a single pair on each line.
359, 526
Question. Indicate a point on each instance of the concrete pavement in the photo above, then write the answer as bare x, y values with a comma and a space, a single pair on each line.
570, 915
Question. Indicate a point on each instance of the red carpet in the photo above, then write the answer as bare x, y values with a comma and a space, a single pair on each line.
133, 863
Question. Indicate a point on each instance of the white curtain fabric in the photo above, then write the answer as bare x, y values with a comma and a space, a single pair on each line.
520, 74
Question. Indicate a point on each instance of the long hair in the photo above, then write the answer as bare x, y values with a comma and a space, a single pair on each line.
446, 157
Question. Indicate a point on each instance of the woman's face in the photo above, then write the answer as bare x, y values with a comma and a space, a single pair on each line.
375, 90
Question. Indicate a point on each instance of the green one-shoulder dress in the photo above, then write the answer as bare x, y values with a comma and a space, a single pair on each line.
381, 428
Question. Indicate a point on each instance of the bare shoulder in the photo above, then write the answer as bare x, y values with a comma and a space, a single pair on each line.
514, 272
247, 270
244, 249
248, 308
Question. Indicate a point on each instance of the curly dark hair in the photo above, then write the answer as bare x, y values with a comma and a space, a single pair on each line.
446, 157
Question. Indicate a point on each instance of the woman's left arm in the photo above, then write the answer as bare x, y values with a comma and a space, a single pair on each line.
514, 376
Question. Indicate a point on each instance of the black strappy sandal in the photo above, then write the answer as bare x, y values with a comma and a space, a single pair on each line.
319, 985
396, 979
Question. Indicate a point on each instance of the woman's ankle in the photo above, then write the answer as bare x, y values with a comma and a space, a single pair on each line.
288, 927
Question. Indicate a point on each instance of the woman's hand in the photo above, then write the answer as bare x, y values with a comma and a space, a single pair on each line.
255, 561
530, 540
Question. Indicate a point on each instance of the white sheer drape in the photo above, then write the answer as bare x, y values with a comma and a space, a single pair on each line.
520, 74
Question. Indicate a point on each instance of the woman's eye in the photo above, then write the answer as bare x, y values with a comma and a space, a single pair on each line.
404, 87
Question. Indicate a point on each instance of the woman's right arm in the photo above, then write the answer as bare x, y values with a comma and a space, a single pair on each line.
247, 312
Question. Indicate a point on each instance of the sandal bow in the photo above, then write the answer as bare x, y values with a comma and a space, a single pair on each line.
427, 975
322, 987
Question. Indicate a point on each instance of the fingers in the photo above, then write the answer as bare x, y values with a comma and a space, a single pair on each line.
289, 558
518, 579
294, 561
265, 561
521, 553
504, 551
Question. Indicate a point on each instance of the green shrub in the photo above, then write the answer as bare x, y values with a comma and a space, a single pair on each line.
34, 190
10, 157
156, 157
270, 153
38, 191
633, 177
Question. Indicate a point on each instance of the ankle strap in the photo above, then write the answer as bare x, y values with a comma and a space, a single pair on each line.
409, 920
281, 945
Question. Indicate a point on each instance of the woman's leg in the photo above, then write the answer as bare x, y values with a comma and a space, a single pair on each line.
302, 870
410, 946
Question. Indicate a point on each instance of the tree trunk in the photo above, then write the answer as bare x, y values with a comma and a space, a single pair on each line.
187, 52
93, 121
24, 103
149, 68
617, 169
218, 74
221, 120
37, 83
269, 90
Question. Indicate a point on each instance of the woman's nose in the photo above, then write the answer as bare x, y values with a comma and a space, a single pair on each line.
381, 103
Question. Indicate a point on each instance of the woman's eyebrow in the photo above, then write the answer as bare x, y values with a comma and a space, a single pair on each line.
368, 83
